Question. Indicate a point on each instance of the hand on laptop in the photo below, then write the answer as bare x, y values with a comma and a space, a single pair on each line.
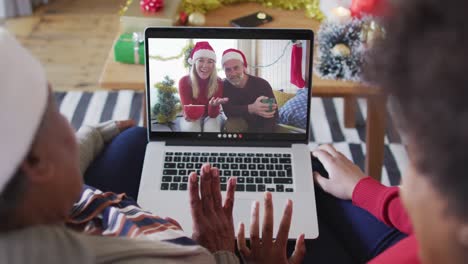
343, 174
266, 249
213, 226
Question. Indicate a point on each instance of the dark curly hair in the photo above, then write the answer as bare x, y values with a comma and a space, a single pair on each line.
422, 64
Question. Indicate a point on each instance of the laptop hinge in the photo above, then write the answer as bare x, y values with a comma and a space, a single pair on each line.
212, 143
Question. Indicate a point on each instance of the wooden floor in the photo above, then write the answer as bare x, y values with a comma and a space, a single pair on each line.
71, 38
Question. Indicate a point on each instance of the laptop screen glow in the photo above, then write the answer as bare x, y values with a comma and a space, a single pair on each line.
229, 88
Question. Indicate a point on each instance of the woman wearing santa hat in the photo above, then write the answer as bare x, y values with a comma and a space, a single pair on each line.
201, 92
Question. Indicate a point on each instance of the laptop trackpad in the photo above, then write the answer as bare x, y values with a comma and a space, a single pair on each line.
243, 211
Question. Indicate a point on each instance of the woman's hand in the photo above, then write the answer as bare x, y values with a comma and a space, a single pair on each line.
215, 101
125, 124
343, 175
266, 249
213, 226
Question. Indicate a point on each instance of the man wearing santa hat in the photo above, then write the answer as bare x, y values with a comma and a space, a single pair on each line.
245, 110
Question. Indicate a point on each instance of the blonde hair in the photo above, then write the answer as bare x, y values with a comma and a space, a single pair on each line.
212, 83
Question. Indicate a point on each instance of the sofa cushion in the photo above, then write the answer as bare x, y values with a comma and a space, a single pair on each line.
282, 97
294, 111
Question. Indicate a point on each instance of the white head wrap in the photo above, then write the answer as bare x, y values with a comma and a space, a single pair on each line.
23, 99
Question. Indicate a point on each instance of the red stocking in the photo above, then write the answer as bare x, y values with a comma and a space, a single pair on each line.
296, 66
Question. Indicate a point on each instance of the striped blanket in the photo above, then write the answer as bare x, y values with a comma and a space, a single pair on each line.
116, 215
326, 115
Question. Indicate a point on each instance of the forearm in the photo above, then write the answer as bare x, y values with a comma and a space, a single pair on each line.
383, 202
91, 141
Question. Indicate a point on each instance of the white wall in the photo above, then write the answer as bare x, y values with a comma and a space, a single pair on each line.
12, 8
3, 8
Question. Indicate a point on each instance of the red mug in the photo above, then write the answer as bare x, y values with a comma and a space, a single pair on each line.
194, 112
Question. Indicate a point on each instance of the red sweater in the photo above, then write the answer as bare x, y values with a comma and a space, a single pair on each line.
186, 95
385, 204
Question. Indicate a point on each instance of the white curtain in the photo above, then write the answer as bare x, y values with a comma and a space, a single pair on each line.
13, 8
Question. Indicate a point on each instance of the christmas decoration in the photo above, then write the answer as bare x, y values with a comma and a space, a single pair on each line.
201, 49
196, 19
368, 7
124, 8
312, 7
340, 50
339, 15
296, 65
371, 31
167, 105
326, 6
183, 17
134, 19
129, 48
186, 51
313, 10
151, 6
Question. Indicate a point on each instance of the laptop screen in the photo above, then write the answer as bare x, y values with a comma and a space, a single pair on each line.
235, 85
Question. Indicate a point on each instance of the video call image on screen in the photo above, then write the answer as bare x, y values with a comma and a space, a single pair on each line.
228, 85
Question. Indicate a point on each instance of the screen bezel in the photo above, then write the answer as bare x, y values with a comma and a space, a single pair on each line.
196, 138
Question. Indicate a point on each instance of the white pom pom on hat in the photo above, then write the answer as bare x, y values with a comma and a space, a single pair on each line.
23, 100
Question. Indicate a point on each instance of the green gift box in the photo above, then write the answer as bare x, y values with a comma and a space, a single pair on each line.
130, 48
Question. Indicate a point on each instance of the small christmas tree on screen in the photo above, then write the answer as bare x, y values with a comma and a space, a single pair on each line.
167, 105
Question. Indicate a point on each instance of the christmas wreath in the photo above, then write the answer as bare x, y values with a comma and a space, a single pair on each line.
340, 50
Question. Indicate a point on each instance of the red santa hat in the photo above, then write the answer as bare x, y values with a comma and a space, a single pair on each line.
235, 54
201, 49
23, 100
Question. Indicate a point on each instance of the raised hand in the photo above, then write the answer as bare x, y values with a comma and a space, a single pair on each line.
343, 175
213, 226
266, 249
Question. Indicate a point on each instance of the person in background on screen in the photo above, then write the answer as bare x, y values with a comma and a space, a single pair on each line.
247, 110
201, 89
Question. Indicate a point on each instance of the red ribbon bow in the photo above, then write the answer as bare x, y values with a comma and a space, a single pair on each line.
151, 5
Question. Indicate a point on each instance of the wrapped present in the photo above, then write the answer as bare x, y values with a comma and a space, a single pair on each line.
129, 48
134, 19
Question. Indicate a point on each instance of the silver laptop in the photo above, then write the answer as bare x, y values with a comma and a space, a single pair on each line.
265, 154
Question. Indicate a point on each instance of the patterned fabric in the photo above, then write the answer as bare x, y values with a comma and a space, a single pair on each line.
291, 114
116, 215
327, 124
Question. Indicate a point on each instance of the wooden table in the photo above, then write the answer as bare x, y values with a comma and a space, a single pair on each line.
126, 76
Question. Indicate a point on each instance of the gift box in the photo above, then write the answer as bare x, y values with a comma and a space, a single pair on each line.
129, 48
133, 19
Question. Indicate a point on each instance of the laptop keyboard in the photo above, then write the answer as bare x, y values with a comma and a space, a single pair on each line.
255, 172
